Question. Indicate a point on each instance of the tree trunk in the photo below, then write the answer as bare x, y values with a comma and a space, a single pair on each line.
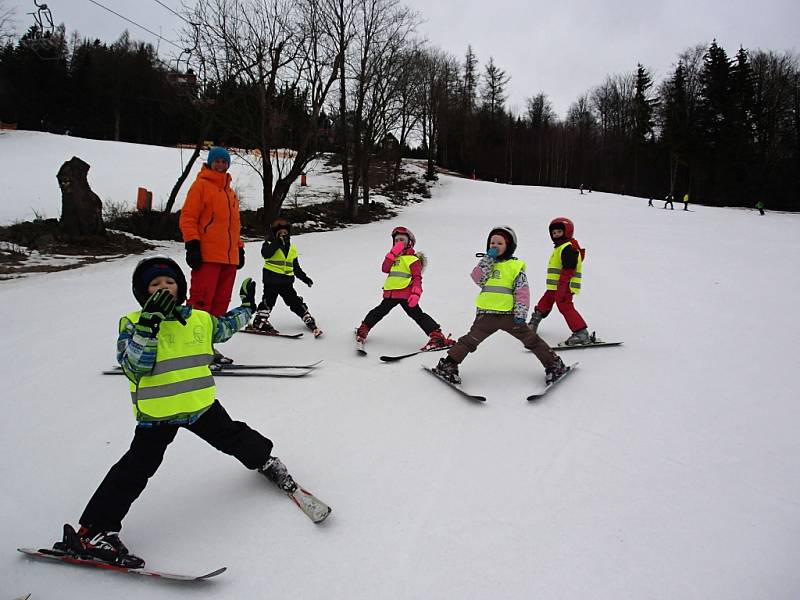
81, 208
173, 195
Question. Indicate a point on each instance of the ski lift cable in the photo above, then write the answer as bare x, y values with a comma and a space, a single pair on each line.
177, 14
124, 18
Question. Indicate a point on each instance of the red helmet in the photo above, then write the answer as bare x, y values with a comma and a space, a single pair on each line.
405, 231
565, 224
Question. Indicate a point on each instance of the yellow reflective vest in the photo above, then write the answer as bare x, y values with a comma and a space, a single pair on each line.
400, 274
180, 385
497, 293
554, 268
282, 263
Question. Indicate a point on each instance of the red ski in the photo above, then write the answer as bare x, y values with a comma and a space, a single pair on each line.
87, 562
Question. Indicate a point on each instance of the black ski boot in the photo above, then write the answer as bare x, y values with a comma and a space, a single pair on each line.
311, 324
102, 546
447, 369
277, 473
555, 371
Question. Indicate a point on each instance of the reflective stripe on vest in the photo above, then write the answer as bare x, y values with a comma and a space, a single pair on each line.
400, 274
180, 384
554, 271
280, 263
498, 291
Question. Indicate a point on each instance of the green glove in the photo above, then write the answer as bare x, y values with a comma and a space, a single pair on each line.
248, 294
158, 307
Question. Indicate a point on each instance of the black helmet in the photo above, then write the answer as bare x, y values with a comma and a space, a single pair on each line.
150, 268
278, 224
510, 237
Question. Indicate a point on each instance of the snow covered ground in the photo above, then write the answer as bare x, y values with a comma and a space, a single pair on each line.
31, 160
666, 468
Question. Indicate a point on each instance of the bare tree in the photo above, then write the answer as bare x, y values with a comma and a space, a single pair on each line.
380, 29
259, 53
6, 23
438, 85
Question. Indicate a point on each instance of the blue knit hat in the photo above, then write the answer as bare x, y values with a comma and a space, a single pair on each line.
218, 152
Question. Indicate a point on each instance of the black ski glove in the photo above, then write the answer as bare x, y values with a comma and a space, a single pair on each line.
248, 294
241, 258
194, 258
158, 307
307, 280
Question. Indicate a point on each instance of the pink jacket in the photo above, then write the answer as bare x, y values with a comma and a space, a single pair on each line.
416, 277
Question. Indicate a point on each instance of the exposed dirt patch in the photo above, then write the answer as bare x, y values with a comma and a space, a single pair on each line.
40, 246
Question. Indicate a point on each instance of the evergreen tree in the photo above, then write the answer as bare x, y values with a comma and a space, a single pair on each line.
493, 93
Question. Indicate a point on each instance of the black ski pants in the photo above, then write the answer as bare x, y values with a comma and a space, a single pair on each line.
127, 479
424, 320
289, 295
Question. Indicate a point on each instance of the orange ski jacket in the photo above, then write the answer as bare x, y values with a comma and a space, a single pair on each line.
211, 214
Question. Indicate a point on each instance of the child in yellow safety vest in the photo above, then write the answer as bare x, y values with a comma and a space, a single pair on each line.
564, 274
501, 305
281, 266
403, 287
164, 349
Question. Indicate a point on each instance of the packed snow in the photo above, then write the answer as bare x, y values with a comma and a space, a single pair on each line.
665, 468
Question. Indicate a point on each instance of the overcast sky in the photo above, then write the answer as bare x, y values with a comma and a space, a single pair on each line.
561, 48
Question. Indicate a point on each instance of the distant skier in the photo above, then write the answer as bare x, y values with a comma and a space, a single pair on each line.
649, 202
281, 266
668, 200
501, 305
564, 273
686, 201
171, 386
403, 287
760, 207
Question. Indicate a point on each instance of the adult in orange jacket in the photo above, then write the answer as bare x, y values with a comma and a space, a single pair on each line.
210, 226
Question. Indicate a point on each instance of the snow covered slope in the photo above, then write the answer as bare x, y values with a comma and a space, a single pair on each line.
666, 468
31, 160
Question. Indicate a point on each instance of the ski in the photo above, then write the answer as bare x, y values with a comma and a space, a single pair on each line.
563, 346
456, 387
291, 336
402, 356
238, 367
550, 386
227, 372
88, 562
216, 368
593, 341
314, 508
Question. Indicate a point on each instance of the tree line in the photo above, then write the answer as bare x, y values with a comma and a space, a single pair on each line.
350, 77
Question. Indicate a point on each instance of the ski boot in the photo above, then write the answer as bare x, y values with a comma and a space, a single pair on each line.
102, 546
536, 318
438, 341
578, 338
555, 371
276, 472
447, 369
220, 358
261, 323
361, 333
312, 325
